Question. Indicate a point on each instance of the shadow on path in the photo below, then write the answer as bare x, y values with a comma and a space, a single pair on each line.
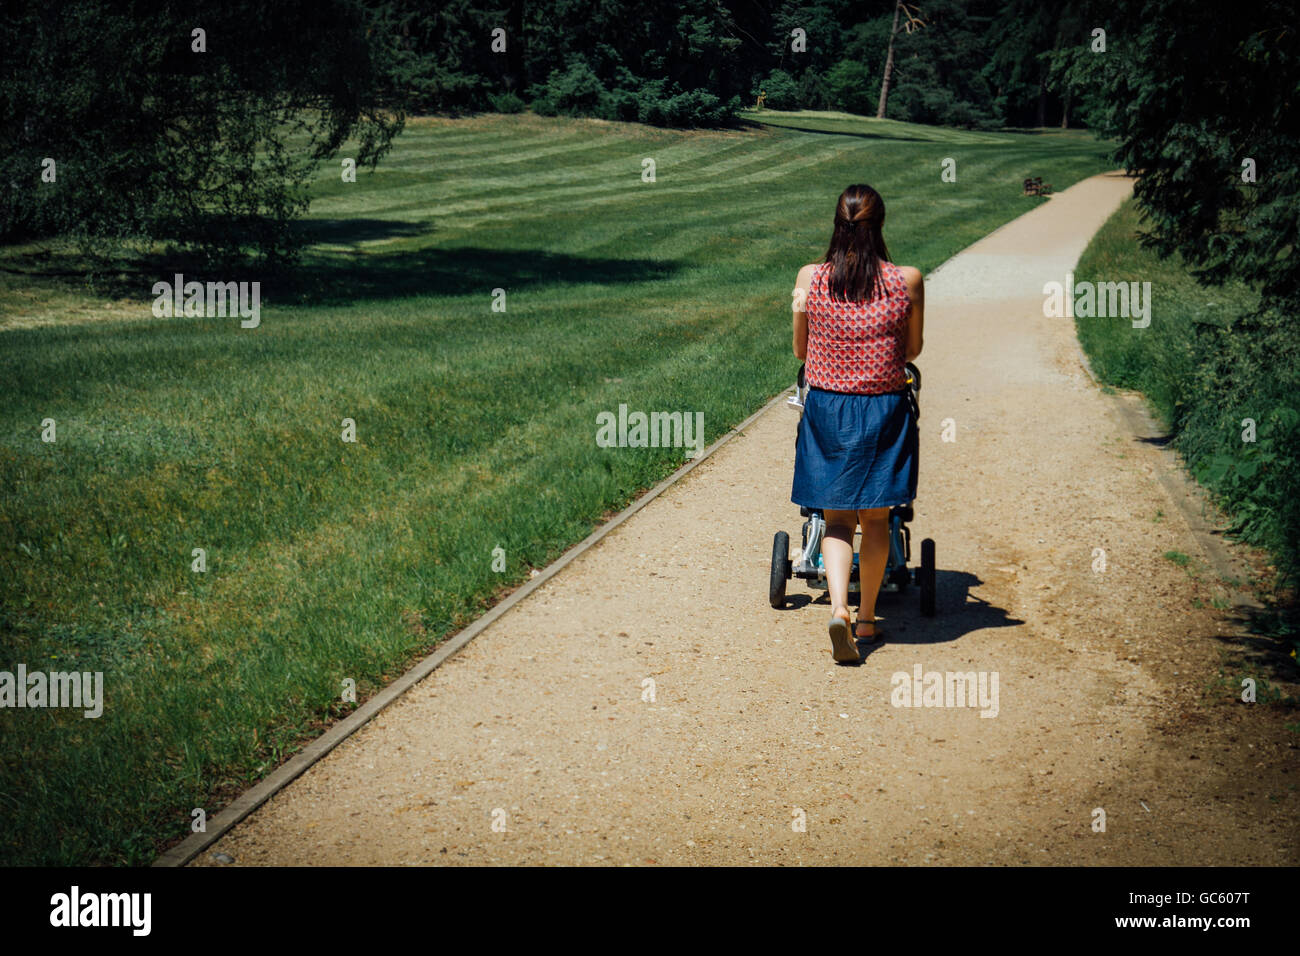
958, 613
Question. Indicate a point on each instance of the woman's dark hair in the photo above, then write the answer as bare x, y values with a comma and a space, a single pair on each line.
857, 244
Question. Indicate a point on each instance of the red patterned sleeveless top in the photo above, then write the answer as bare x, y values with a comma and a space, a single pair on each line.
858, 347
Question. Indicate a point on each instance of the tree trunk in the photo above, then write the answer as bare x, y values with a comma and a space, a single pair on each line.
1042, 84
515, 46
889, 64
1065, 112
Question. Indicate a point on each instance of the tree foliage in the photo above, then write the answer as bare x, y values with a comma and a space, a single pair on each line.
153, 139
1199, 98
824, 54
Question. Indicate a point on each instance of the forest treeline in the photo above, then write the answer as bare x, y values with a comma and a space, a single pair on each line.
971, 63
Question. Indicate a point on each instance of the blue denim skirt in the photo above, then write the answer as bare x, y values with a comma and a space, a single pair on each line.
855, 451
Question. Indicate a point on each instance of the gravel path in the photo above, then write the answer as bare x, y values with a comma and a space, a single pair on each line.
535, 743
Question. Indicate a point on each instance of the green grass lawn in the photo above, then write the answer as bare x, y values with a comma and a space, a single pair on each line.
476, 429
1158, 361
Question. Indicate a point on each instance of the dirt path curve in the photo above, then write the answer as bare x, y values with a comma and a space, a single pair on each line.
539, 726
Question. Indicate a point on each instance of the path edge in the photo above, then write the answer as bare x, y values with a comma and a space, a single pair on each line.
252, 798
1183, 491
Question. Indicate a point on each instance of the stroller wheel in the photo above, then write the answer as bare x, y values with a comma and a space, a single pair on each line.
780, 570
926, 577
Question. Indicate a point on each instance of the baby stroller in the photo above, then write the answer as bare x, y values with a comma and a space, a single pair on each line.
808, 564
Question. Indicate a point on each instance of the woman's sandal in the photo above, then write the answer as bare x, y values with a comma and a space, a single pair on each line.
843, 646
876, 633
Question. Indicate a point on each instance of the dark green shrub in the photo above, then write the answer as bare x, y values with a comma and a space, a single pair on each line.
850, 87
620, 104
1249, 371
812, 92
574, 91
696, 108
781, 89
507, 102
543, 105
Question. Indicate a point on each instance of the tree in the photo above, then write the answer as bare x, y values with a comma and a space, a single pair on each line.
1203, 107
445, 58
848, 85
889, 64
1188, 129
937, 75
1027, 32
912, 22
201, 129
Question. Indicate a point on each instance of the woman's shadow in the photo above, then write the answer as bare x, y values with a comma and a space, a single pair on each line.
957, 612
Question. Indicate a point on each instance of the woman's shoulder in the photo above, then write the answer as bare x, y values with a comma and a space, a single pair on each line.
807, 272
911, 275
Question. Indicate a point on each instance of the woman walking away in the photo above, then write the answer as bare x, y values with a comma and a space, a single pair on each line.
857, 322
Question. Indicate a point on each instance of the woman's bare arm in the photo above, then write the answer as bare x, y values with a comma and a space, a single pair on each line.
799, 299
916, 320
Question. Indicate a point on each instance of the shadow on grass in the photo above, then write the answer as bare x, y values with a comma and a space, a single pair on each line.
1272, 634
325, 278
337, 278
899, 137
347, 231
1035, 130
841, 132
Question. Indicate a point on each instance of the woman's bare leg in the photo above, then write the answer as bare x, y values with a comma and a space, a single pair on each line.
837, 549
873, 555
